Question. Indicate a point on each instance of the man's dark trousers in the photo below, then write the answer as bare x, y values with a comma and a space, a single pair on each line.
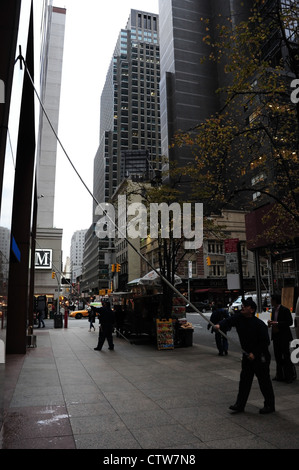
105, 332
262, 372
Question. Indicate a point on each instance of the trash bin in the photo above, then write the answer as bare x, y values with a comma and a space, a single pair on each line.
57, 321
186, 336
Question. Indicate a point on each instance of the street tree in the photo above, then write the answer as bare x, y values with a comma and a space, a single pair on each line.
251, 147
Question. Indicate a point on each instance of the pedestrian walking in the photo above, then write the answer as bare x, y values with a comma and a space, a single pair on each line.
40, 317
41, 306
254, 340
91, 317
106, 320
119, 320
218, 314
280, 322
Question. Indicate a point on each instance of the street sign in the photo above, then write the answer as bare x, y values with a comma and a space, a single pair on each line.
232, 263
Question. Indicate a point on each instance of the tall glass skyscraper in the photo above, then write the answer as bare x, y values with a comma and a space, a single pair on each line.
188, 84
130, 103
129, 140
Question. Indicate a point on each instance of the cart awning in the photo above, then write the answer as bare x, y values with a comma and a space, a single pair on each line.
215, 290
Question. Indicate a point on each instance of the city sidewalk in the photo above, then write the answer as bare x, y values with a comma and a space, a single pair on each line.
65, 395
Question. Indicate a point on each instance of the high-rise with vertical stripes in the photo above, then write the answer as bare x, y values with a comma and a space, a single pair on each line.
130, 103
129, 138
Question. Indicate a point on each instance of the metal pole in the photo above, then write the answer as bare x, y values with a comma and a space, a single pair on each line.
257, 279
240, 270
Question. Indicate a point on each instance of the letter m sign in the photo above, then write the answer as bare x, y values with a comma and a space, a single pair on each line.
43, 259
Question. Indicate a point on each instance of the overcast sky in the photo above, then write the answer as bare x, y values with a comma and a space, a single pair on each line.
92, 29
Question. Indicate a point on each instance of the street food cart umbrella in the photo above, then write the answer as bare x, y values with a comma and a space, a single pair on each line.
134, 282
152, 278
96, 304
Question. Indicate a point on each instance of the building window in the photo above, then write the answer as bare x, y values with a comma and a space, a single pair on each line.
256, 195
258, 178
215, 246
217, 268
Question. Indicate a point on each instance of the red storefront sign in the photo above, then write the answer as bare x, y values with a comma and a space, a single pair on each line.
231, 245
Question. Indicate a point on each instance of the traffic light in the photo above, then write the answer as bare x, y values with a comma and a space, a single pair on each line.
118, 267
53, 274
208, 259
112, 268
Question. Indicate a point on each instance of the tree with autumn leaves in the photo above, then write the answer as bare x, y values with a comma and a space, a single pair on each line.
249, 151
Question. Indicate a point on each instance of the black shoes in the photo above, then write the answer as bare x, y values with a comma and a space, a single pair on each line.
100, 349
236, 408
266, 410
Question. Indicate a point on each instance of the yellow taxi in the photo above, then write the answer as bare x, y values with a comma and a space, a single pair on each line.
84, 313
79, 314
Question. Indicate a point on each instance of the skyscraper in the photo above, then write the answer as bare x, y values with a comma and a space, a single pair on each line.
130, 102
77, 250
188, 84
129, 122
48, 238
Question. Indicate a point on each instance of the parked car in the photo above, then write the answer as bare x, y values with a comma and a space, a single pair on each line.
237, 304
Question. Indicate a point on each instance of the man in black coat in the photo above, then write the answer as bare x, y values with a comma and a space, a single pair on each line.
281, 320
254, 339
219, 314
106, 319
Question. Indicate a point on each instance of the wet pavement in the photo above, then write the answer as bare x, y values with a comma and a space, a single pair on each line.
64, 395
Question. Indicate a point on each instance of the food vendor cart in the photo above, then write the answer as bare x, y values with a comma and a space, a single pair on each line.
141, 314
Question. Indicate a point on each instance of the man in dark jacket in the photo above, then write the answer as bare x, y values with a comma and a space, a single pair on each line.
281, 320
106, 319
254, 339
219, 314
